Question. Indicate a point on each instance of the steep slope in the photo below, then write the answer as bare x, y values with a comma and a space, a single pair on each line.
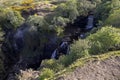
95, 69
99, 67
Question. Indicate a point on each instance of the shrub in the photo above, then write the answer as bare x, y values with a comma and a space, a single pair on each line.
106, 7
96, 1
78, 50
9, 3
46, 73
67, 10
59, 31
38, 21
25, 5
113, 19
27, 2
84, 6
10, 18
15, 18
53, 65
43, 28
105, 39
102, 10
60, 21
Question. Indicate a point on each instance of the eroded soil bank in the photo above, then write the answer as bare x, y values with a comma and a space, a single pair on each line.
108, 69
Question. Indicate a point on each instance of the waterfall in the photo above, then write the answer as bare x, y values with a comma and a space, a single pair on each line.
18, 42
18, 39
90, 22
82, 35
15, 46
68, 49
19, 34
89, 26
63, 46
63, 43
54, 54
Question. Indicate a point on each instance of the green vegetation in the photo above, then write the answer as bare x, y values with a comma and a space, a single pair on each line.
108, 11
51, 23
84, 60
78, 50
114, 18
46, 73
67, 10
84, 6
105, 39
37, 21
10, 19
64, 11
52, 64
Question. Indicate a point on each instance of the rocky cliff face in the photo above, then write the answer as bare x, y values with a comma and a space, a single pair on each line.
2, 69
108, 69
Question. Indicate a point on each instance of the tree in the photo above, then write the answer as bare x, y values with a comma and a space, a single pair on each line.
113, 19
107, 38
37, 21
84, 6
10, 19
106, 8
103, 10
66, 10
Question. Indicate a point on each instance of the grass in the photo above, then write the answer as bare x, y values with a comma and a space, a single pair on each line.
82, 61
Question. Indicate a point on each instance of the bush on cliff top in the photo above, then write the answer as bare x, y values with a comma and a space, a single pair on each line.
105, 39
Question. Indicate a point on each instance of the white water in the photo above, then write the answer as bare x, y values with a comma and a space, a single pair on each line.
19, 34
81, 35
68, 50
90, 22
62, 46
54, 54
15, 46
63, 43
